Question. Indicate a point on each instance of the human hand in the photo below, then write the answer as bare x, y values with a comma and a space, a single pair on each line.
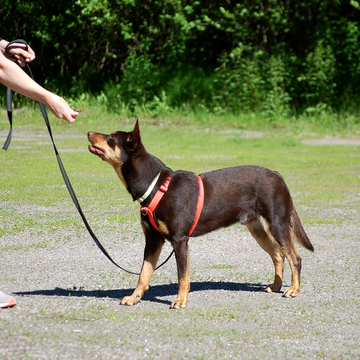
60, 108
21, 53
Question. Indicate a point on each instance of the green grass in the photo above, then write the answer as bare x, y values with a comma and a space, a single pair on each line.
221, 266
324, 182
318, 176
43, 244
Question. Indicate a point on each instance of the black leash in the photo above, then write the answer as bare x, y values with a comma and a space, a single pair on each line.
9, 112
62, 169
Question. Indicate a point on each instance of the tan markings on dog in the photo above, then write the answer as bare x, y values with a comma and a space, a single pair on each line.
266, 227
112, 157
163, 227
294, 260
144, 226
117, 168
147, 270
260, 231
184, 288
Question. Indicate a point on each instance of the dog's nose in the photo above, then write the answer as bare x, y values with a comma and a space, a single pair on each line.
90, 134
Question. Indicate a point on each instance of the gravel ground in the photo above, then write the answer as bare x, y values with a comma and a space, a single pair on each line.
68, 294
68, 298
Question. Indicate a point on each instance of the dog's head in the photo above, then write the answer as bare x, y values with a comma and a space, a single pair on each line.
116, 148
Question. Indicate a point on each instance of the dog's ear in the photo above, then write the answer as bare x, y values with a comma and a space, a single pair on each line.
133, 140
136, 131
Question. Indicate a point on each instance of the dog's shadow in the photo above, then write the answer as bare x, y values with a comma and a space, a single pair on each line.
154, 294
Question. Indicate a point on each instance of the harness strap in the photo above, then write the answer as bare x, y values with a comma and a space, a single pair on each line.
200, 204
149, 210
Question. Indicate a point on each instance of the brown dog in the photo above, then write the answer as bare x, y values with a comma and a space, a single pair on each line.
252, 195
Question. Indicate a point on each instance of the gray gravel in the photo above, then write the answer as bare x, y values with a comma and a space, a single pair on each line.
68, 296
68, 292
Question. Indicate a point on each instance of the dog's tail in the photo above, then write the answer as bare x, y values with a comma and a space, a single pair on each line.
299, 232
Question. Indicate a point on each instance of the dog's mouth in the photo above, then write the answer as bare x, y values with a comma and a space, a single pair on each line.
95, 150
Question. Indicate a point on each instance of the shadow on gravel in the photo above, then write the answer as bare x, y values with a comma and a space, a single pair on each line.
152, 294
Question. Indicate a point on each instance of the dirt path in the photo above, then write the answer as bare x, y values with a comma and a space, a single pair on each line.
68, 297
68, 292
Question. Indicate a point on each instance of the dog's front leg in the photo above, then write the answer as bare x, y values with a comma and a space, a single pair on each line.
151, 255
181, 248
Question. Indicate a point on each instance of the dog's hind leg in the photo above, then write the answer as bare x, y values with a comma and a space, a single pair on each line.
151, 255
260, 229
269, 244
294, 260
181, 248
285, 235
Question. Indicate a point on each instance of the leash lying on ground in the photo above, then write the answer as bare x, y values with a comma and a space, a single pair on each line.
62, 169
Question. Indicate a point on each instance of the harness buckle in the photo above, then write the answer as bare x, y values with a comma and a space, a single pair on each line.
164, 187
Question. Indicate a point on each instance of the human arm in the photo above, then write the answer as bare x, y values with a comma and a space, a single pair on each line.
16, 79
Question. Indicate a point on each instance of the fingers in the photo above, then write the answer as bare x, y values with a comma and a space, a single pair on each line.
32, 53
21, 54
72, 117
67, 114
60, 108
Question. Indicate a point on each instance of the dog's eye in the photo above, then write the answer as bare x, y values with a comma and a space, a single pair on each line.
111, 137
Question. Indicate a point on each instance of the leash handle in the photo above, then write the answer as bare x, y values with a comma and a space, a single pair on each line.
17, 41
61, 166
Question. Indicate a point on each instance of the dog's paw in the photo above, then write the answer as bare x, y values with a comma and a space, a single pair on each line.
273, 288
291, 292
177, 304
130, 300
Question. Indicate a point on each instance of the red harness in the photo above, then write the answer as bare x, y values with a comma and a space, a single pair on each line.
149, 210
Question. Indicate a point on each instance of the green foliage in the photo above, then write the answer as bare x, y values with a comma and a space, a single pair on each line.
190, 87
239, 84
318, 77
137, 86
277, 101
276, 57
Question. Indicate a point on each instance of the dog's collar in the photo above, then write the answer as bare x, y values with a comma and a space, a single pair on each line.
150, 189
